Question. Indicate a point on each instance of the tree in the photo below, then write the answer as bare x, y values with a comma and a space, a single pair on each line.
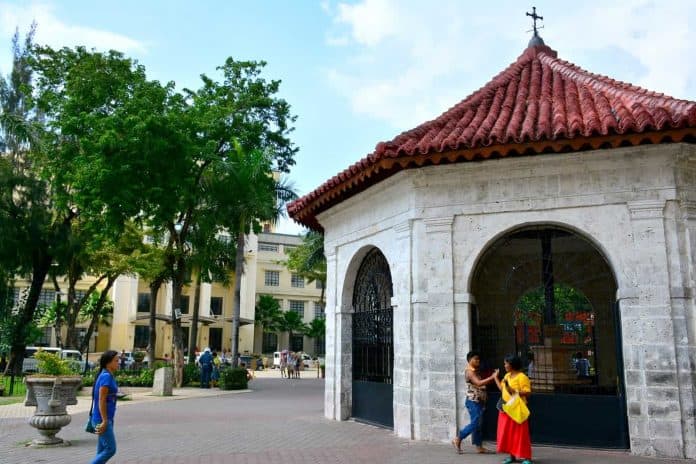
116, 145
30, 223
241, 131
212, 259
292, 323
317, 330
308, 260
217, 122
268, 315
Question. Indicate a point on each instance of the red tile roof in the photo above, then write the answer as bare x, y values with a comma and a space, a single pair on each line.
539, 104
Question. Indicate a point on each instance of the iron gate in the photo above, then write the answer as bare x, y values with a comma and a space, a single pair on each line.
548, 296
373, 347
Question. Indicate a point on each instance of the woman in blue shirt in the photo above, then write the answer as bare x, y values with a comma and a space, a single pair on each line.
104, 396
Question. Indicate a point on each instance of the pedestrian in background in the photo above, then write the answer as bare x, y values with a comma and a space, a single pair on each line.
206, 363
283, 364
104, 395
215, 376
476, 397
513, 438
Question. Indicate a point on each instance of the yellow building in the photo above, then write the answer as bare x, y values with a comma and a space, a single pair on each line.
291, 291
264, 273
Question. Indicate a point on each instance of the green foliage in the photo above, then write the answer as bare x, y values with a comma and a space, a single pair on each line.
268, 313
317, 328
530, 308
308, 259
192, 374
52, 364
233, 378
138, 356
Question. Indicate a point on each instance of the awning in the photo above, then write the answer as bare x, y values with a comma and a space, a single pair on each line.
242, 320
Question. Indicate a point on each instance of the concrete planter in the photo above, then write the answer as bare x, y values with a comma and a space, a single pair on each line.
51, 396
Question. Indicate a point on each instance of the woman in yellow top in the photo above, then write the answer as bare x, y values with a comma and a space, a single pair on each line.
513, 438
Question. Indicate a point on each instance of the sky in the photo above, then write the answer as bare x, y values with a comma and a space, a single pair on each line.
359, 72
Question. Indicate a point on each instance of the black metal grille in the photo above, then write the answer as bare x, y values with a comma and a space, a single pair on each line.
373, 350
547, 295
373, 347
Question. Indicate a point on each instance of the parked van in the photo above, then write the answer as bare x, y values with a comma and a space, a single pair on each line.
31, 364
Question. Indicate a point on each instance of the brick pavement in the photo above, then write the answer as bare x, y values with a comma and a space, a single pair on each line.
280, 421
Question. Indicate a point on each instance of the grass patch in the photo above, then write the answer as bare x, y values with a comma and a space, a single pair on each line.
5, 400
18, 393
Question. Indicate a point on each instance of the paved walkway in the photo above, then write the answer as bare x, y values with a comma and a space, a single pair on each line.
279, 421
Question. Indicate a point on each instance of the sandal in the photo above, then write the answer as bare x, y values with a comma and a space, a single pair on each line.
526, 461
508, 460
483, 450
456, 442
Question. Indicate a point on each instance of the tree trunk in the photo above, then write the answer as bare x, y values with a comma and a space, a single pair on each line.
177, 334
155, 285
236, 309
193, 336
58, 326
94, 323
41, 265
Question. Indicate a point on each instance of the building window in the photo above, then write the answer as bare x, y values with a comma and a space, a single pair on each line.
143, 302
270, 342
297, 343
319, 284
142, 336
272, 278
297, 281
288, 248
184, 303
318, 310
216, 305
298, 307
46, 298
268, 246
215, 338
319, 346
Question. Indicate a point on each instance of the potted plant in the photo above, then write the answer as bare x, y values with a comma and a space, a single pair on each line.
51, 391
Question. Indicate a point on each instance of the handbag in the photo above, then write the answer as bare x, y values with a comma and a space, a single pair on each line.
499, 404
516, 409
89, 428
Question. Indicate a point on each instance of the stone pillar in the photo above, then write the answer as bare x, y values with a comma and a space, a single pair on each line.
680, 227
433, 335
339, 355
403, 342
462, 345
648, 338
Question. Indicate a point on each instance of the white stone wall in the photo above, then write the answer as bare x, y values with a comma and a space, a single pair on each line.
433, 224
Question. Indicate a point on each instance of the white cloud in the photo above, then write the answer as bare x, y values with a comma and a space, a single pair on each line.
54, 32
409, 60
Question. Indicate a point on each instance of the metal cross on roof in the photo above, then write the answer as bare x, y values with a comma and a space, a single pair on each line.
535, 16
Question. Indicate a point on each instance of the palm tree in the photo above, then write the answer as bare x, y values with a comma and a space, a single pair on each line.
258, 197
317, 330
291, 323
268, 313
309, 261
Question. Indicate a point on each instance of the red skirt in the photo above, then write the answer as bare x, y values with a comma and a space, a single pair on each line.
513, 438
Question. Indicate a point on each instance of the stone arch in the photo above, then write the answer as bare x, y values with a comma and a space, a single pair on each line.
551, 261
477, 255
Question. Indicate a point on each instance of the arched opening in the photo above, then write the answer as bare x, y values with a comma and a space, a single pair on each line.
548, 295
373, 346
